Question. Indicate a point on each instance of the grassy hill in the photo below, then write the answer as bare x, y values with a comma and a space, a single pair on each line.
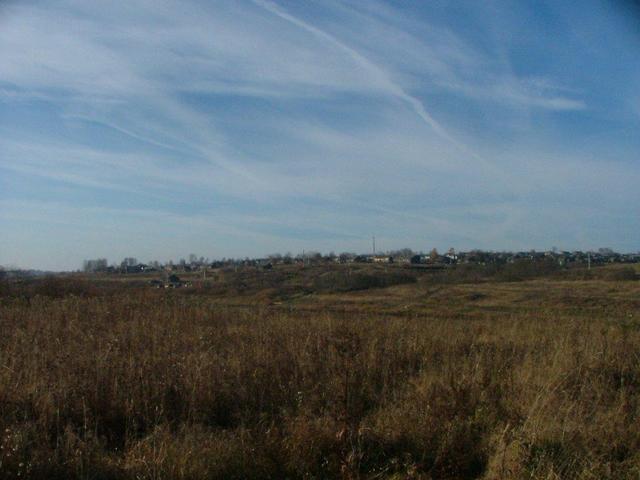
323, 372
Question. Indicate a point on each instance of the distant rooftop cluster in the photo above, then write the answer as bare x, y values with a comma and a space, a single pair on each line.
405, 256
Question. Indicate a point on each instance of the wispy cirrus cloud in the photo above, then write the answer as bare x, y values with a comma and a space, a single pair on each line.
295, 124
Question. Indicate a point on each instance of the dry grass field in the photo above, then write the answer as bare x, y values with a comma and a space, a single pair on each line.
316, 373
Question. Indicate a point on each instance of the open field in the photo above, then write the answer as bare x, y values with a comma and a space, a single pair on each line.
323, 372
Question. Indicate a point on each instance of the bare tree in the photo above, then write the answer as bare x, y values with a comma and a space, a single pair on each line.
95, 265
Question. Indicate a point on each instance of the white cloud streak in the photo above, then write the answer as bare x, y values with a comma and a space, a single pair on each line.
357, 120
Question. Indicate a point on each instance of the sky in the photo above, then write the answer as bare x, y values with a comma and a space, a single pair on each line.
156, 129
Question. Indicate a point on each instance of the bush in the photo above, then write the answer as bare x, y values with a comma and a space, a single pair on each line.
620, 274
526, 269
508, 272
345, 281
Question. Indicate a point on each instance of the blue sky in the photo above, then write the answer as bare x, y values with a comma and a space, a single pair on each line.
157, 128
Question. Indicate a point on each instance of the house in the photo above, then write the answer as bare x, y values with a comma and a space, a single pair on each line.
418, 259
138, 268
382, 259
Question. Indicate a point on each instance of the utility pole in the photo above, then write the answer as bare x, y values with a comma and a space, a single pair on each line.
374, 245
588, 260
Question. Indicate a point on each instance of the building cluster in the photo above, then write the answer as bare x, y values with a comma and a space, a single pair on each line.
564, 258
405, 256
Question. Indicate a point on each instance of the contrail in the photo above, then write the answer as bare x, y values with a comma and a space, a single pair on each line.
393, 88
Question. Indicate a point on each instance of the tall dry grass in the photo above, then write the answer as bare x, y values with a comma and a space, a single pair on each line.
150, 385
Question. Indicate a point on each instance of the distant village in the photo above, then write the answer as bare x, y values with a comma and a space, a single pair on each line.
405, 257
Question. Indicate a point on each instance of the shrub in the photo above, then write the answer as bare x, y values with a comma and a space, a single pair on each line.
344, 280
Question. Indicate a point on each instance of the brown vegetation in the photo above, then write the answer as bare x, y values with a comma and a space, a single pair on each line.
426, 379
